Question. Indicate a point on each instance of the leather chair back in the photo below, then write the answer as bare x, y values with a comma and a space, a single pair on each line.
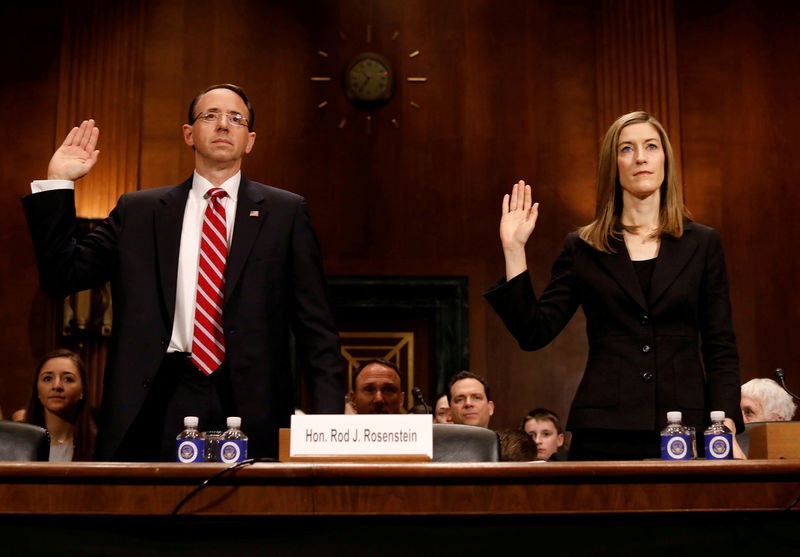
464, 443
21, 442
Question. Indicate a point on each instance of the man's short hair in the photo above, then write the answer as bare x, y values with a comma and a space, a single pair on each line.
380, 361
231, 87
543, 414
774, 400
517, 446
467, 375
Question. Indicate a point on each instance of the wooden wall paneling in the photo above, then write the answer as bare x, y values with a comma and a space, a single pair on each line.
636, 67
557, 155
273, 64
535, 62
164, 108
101, 79
29, 52
738, 82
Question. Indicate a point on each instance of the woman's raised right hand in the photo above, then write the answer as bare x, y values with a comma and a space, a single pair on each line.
519, 217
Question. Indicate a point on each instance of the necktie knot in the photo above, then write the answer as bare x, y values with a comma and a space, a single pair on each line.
217, 193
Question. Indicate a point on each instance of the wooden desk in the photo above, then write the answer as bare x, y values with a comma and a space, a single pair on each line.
775, 440
613, 508
400, 489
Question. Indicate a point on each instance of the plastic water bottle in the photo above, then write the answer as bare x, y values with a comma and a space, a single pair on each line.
718, 438
233, 443
675, 440
189, 442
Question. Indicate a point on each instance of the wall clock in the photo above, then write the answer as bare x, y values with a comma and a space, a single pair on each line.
369, 82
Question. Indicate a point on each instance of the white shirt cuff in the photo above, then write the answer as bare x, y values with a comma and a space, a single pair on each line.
38, 186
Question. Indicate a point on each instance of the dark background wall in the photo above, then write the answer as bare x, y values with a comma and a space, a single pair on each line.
515, 89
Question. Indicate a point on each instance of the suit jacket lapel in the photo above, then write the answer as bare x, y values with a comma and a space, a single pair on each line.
673, 255
620, 267
250, 215
168, 223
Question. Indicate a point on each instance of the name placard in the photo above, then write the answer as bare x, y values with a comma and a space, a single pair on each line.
374, 434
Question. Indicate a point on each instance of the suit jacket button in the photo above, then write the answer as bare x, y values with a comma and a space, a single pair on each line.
147, 382
645, 319
647, 376
164, 342
646, 348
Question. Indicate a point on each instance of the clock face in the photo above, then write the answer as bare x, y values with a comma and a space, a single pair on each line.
368, 80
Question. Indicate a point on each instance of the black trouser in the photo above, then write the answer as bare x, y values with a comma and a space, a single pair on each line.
614, 444
178, 390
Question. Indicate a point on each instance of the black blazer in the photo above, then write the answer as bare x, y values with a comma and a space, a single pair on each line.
274, 281
674, 350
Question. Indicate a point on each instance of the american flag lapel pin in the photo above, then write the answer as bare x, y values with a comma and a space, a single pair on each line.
253, 213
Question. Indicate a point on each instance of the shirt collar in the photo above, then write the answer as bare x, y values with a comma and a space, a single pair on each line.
200, 185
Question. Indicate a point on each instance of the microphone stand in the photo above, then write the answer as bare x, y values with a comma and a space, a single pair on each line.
417, 392
779, 375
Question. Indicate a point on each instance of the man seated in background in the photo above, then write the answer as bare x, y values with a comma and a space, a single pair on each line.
441, 412
377, 388
545, 429
470, 403
763, 400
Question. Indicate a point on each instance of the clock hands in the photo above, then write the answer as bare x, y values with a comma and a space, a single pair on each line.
365, 82
368, 76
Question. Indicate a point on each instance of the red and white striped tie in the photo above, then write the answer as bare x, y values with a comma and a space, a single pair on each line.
208, 341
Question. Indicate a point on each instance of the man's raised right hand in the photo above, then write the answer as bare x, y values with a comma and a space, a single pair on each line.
77, 155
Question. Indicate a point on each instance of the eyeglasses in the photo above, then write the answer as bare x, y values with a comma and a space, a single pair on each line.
234, 118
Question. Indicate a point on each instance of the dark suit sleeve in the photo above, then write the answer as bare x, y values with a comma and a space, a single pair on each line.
534, 323
66, 264
313, 325
720, 357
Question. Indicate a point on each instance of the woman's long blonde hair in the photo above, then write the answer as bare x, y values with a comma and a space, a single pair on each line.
608, 209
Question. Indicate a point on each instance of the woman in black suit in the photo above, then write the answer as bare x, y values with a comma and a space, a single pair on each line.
654, 289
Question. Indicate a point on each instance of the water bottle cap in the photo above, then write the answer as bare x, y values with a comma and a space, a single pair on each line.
234, 421
191, 421
674, 416
717, 415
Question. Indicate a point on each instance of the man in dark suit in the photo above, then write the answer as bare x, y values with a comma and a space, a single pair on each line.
470, 399
149, 248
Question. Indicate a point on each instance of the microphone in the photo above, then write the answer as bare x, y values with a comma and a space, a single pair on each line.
417, 393
779, 375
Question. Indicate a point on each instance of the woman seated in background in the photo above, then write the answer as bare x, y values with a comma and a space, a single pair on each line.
58, 404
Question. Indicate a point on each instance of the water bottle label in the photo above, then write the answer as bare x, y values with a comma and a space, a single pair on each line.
676, 447
718, 446
189, 450
231, 451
